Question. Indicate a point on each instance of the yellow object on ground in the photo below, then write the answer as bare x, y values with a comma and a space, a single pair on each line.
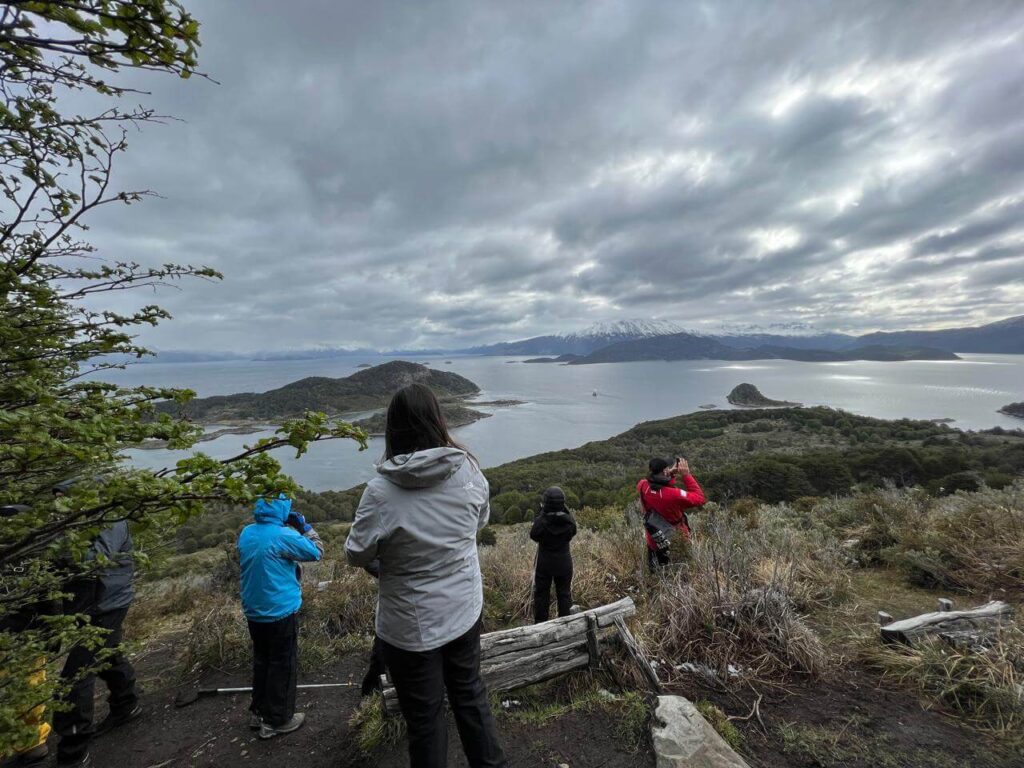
37, 715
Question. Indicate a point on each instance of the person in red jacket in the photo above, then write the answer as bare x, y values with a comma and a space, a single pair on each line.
664, 506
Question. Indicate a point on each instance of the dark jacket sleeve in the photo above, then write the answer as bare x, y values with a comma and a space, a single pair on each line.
538, 527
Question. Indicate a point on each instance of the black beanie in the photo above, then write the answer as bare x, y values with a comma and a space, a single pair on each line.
553, 499
657, 466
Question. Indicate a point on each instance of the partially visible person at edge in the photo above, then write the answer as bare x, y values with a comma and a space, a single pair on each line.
553, 529
104, 596
419, 517
660, 495
271, 550
29, 618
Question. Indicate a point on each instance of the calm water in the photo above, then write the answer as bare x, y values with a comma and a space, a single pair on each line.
561, 411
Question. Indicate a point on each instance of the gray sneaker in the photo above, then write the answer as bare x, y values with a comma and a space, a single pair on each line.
268, 731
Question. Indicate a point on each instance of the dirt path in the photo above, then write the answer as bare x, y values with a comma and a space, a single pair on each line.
855, 724
214, 732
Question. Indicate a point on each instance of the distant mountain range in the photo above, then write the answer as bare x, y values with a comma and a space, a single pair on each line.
637, 340
580, 343
1002, 337
686, 346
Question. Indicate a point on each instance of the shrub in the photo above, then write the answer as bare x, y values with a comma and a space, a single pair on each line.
486, 537
736, 601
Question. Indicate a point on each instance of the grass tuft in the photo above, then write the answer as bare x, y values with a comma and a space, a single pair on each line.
372, 729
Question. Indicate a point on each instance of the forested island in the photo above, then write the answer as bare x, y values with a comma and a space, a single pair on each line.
1013, 409
362, 391
749, 396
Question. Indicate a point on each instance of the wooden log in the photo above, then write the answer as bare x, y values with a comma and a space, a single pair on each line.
592, 648
983, 617
634, 650
539, 635
513, 658
965, 638
885, 618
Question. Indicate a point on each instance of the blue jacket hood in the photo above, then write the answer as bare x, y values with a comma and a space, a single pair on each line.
272, 510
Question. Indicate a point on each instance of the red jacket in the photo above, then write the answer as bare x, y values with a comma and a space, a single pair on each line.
671, 503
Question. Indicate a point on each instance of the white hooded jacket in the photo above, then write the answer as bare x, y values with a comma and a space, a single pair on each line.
420, 518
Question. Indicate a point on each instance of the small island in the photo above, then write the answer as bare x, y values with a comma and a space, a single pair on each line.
454, 414
1013, 409
566, 358
749, 396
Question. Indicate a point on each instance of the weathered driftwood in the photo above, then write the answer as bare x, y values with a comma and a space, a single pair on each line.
513, 658
949, 622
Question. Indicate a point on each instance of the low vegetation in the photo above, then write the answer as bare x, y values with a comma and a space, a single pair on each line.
773, 594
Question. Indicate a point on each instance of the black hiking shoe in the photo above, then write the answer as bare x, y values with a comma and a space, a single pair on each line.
112, 721
268, 731
255, 721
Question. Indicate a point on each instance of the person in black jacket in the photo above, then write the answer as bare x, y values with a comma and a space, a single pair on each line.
553, 529
104, 597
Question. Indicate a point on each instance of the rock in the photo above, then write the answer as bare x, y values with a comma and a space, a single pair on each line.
684, 739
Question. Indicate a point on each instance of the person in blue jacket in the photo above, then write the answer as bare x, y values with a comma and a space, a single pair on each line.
270, 550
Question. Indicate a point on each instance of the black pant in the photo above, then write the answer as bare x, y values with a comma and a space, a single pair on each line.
656, 558
542, 579
371, 680
75, 725
275, 668
421, 679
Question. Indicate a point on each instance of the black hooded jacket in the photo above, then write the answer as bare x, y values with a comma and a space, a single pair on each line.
553, 531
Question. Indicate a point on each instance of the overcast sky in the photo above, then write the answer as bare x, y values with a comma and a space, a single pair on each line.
445, 173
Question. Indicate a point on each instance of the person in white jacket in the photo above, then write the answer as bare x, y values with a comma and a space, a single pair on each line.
419, 518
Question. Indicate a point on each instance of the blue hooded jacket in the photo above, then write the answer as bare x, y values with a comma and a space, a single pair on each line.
269, 551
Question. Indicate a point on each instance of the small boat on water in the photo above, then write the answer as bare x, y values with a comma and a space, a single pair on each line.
595, 393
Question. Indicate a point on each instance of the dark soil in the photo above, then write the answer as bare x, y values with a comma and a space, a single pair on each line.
214, 732
855, 724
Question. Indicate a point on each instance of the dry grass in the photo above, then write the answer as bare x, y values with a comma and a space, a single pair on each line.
984, 685
970, 542
735, 603
608, 565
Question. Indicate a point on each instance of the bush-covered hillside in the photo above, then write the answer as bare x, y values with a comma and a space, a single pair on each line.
773, 455
776, 455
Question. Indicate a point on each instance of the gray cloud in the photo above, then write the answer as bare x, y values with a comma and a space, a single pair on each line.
443, 173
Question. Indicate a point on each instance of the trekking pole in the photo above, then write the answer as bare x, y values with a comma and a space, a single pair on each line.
185, 698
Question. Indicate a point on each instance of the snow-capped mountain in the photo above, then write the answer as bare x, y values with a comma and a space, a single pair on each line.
583, 342
626, 329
